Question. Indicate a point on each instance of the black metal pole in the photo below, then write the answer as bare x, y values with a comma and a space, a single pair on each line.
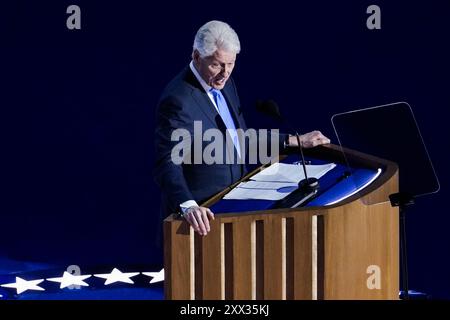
402, 200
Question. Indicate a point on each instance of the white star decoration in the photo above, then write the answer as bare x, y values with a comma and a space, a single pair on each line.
157, 276
69, 280
117, 276
22, 285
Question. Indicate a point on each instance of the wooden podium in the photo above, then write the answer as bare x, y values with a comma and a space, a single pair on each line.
349, 250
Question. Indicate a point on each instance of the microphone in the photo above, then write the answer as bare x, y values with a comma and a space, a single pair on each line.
271, 109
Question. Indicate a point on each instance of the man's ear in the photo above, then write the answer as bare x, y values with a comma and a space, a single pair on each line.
195, 55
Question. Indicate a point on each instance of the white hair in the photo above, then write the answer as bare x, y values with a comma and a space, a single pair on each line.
216, 35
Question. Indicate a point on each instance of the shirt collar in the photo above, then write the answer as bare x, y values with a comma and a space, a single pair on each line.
203, 83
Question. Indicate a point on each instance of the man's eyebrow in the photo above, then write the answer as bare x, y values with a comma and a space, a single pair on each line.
215, 60
223, 62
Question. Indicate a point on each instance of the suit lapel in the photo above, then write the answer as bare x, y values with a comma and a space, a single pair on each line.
205, 105
202, 99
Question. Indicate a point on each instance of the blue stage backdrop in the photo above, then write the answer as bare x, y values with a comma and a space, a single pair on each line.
77, 110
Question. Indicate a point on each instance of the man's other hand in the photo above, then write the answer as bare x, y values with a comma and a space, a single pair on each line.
198, 218
309, 140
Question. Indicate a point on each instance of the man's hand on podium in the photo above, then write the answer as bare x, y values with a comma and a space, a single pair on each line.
198, 218
309, 140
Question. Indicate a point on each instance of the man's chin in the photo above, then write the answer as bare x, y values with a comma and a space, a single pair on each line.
218, 86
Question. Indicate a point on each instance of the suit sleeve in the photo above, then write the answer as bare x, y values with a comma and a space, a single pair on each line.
168, 175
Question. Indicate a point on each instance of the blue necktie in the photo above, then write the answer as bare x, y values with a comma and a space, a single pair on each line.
226, 117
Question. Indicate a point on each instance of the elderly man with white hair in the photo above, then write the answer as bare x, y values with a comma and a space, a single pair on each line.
204, 91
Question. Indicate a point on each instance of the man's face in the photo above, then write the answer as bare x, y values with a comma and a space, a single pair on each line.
215, 69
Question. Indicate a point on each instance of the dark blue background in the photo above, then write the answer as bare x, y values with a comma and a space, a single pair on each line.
77, 109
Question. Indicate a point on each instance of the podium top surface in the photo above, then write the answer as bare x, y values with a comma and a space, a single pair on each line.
367, 174
334, 188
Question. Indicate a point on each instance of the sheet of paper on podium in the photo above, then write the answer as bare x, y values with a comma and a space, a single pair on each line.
276, 182
261, 190
284, 172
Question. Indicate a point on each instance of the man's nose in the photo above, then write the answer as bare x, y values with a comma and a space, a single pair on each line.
226, 70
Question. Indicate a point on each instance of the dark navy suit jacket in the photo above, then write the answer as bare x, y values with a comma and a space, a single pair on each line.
182, 102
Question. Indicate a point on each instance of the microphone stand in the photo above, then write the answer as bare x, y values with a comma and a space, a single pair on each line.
307, 184
308, 187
